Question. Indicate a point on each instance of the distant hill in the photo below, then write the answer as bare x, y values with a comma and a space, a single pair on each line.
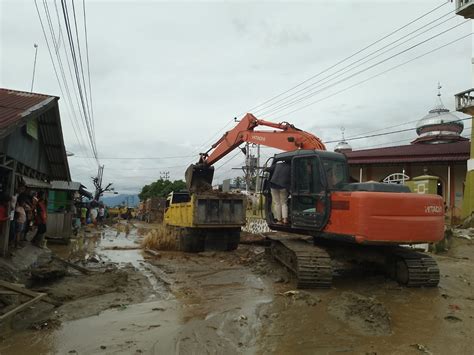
115, 200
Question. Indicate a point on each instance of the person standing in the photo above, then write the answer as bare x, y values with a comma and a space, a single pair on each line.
279, 186
83, 214
4, 216
41, 219
101, 215
20, 221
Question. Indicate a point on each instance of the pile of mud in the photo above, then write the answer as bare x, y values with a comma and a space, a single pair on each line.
364, 314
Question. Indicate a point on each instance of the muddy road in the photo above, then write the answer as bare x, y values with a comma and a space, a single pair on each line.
237, 302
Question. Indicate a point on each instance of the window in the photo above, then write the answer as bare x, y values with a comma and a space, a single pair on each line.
336, 173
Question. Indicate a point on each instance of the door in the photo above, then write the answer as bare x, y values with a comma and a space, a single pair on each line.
310, 202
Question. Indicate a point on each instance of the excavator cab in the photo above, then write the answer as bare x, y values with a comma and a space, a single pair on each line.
314, 175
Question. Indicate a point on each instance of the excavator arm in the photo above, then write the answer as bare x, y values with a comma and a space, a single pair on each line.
284, 136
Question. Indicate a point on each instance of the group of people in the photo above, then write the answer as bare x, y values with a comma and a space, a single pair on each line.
94, 213
26, 211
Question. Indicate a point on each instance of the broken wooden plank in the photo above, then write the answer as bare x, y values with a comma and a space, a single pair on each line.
152, 252
8, 293
23, 306
74, 266
27, 292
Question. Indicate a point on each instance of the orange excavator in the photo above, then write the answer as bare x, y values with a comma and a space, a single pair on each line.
329, 217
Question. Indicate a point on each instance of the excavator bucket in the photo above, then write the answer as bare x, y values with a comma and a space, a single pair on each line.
199, 177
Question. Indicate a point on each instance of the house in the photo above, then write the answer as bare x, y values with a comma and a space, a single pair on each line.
439, 150
32, 151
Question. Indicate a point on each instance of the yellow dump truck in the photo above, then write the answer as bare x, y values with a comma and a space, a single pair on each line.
207, 220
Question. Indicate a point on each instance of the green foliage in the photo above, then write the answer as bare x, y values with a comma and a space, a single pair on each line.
161, 188
239, 182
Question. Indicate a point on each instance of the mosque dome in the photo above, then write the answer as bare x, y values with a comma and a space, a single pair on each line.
439, 126
342, 146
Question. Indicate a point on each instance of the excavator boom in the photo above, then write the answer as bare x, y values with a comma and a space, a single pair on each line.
284, 136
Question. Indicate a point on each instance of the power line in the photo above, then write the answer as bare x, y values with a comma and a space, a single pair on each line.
88, 66
349, 57
137, 158
383, 134
350, 67
52, 61
329, 68
63, 76
61, 37
82, 68
374, 76
296, 101
78, 80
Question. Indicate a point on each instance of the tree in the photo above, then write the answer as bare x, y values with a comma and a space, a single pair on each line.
161, 188
238, 182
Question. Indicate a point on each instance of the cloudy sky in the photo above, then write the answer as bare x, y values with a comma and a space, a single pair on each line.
168, 76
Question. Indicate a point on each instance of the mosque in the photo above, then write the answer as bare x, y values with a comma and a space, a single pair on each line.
439, 150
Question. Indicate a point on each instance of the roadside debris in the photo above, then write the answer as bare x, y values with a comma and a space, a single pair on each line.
74, 266
464, 233
421, 348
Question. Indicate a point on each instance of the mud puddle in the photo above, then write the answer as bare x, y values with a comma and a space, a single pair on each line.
371, 314
207, 303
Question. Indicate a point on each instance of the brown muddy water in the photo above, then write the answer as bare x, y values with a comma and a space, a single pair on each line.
243, 303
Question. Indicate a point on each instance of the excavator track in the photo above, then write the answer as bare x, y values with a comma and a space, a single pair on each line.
414, 269
310, 264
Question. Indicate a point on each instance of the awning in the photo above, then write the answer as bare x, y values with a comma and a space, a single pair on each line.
65, 185
30, 182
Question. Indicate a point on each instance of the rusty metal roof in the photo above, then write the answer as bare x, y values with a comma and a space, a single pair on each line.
413, 153
16, 106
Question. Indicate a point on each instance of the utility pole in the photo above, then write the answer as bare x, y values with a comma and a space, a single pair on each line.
257, 179
34, 67
165, 175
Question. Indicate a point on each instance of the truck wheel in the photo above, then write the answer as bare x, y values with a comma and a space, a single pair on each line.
192, 241
233, 239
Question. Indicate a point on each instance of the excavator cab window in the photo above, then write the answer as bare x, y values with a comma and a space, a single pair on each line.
309, 197
336, 173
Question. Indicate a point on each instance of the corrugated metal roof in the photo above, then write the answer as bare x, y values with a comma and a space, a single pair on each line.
16, 106
66, 185
458, 151
29, 182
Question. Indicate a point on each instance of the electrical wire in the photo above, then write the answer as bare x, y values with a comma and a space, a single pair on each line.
54, 66
74, 120
88, 66
82, 68
348, 57
74, 88
309, 88
326, 70
78, 80
374, 76
313, 93
136, 158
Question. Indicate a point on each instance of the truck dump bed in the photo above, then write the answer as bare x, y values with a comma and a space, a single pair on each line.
208, 209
